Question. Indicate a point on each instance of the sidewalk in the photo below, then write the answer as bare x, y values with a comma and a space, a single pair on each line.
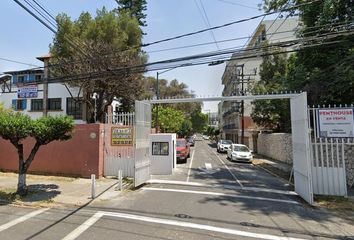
52, 190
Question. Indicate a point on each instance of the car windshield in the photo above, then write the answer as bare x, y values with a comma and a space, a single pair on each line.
241, 149
181, 143
226, 142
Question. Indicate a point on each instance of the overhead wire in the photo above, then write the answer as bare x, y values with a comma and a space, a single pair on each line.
208, 24
179, 63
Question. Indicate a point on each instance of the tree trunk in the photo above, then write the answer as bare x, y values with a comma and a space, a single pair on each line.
21, 185
22, 189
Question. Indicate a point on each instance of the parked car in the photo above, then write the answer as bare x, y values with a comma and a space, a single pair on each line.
239, 152
190, 140
224, 145
205, 137
182, 150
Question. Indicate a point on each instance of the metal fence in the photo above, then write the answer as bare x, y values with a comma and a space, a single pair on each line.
329, 157
122, 118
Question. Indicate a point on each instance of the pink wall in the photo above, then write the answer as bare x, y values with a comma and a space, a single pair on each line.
81, 156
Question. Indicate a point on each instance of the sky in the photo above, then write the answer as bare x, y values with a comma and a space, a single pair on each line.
23, 38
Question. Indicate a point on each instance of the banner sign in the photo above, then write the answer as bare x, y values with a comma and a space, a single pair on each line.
122, 136
27, 91
336, 123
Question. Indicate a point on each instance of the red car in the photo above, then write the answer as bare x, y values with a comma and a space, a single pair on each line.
182, 150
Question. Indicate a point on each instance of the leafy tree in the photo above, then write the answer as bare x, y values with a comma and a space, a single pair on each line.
135, 8
104, 48
325, 71
1, 107
186, 128
199, 121
272, 114
16, 127
170, 120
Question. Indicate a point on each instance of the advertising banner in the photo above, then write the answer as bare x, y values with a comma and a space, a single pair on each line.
27, 91
336, 123
122, 136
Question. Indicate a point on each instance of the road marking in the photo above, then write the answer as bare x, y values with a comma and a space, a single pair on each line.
83, 227
170, 222
190, 166
208, 166
229, 170
22, 219
220, 194
196, 184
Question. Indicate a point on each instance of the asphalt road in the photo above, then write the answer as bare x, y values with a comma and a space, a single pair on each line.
209, 197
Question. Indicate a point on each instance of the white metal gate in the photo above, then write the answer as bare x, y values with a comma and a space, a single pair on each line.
142, 142
328, 160
120, 156
301, 147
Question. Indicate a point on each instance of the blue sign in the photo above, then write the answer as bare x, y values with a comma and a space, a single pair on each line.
27, 91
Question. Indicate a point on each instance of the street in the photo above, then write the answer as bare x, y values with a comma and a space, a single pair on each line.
209, 197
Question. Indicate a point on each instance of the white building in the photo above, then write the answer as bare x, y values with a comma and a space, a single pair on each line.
25, 90
281, 30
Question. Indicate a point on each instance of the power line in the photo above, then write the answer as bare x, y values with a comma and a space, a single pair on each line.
15, 61
208, 23
237, 4
228, 24
143, 68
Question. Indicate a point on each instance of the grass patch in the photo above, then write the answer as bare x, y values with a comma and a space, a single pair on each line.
335, 203
128, 180
9, 195
39, 177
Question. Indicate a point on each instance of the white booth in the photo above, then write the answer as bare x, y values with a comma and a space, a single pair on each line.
162, 153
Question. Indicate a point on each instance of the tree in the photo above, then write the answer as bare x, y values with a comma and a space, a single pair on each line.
325, 71
199, 121
16, 127
170, 120
272, 114
96, 55
135, 8
186, 128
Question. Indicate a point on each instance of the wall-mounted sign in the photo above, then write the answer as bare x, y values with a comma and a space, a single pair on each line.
336, 123
27, 91
121, 136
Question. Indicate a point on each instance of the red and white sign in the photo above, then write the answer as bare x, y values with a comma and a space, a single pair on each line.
336, 123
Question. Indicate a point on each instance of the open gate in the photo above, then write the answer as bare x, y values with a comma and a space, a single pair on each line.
142, 142
301, 147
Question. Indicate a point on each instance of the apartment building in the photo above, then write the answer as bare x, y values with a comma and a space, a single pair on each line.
25, 91
242, 72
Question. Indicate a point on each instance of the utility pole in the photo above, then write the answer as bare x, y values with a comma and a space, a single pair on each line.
157, 105
242, 106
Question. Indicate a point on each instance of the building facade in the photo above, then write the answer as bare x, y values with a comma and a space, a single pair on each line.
242, 72
27, 91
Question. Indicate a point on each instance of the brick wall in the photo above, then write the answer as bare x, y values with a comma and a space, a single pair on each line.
81, 156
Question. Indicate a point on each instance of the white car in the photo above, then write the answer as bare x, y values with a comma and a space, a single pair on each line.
224, 145
239, 152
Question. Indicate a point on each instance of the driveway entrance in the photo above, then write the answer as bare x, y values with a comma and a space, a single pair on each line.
300, 136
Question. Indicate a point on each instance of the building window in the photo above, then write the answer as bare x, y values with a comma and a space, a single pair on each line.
19, 104
74, 108
38, 77
54, 104
160, 148
36, 104
20, 79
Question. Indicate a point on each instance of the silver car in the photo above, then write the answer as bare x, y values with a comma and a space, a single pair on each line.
224, 145
239, 152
